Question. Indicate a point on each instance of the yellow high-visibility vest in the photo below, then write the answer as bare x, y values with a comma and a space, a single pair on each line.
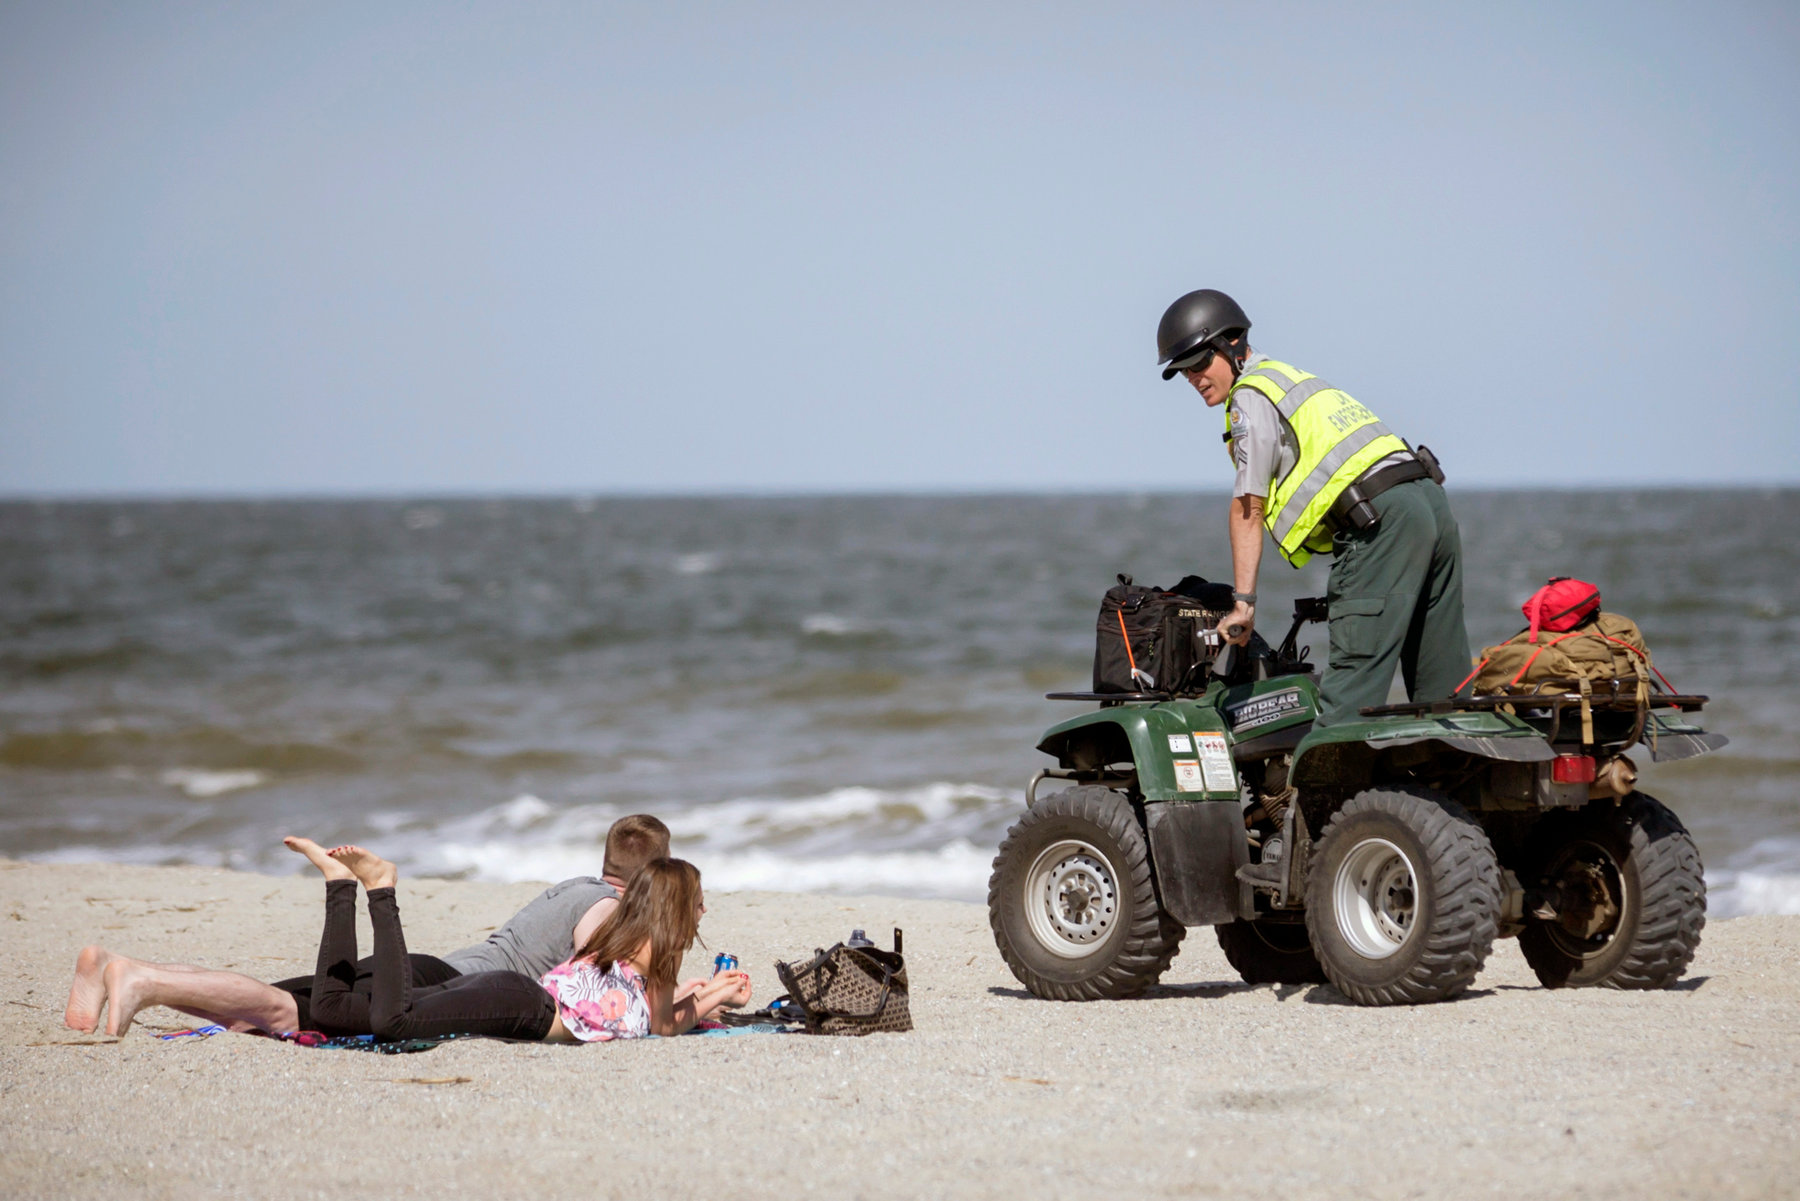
1339, 439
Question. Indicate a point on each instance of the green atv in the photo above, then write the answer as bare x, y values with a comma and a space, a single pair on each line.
1382, 856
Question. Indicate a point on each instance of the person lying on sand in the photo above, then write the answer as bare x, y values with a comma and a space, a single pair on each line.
544, 933
620, 984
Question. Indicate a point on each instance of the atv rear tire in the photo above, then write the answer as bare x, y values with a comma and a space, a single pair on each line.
1268, 952
1637, 861
1402, 897
1071, 900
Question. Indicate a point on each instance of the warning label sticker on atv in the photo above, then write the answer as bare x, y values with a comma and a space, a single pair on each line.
1261, 710
1215, 762
1179, 745
1188, 777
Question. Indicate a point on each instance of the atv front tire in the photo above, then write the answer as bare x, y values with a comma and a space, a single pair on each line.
1631, 898
1402, 897
1071, 900
1269, 952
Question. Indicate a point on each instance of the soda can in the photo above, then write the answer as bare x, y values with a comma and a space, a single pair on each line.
724, 963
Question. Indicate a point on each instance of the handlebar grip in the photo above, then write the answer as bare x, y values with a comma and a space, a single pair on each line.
1232, 631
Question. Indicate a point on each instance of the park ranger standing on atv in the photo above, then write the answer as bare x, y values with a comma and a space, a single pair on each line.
1382, 851
1323, 474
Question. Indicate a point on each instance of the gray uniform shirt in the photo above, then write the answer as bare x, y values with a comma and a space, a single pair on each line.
537, 937
1262, 444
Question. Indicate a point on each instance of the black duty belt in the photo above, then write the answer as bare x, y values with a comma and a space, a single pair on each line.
1352, 510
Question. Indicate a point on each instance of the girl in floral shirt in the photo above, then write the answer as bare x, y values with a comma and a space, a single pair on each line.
621, 984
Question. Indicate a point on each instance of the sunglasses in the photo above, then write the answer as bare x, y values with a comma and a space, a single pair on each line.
1199, 362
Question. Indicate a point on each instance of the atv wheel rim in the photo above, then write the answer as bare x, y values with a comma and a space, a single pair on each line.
1376, 898
1596, 903
1071, 898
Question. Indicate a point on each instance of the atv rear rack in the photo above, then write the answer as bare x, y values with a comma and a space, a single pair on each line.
1585, 696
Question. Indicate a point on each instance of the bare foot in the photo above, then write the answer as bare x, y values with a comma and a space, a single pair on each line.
125, 982
370, 868
318, 857
88, 993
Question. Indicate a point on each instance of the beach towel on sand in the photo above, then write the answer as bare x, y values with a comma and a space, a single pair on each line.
368, 1042
749, 1028
410, 1046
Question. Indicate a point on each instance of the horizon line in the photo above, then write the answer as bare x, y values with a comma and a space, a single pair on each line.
754, 493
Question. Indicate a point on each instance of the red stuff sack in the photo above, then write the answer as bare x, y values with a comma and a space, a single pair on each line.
1562, 604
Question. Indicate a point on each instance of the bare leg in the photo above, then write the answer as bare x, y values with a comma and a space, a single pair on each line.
370, 868
230, 999
226, 998
273, 1011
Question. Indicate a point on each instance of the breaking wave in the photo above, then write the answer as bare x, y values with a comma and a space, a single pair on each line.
936, 840
1759, 880
204, 785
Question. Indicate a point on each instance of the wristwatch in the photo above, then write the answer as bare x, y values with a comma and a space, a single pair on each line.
1244, 598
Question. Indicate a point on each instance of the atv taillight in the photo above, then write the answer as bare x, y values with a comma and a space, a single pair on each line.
1573, 769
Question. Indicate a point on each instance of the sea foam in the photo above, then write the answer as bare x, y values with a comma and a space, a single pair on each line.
204, 785
935, 840
1758, 880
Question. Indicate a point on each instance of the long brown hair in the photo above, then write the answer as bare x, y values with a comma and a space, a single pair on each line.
662, 904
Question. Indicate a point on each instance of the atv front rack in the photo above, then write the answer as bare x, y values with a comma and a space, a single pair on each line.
1287, 659
1106, 697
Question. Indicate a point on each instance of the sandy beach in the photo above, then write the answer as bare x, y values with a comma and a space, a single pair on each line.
1205, 1087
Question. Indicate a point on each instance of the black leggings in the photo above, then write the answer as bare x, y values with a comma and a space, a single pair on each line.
497, 1004
349, 1009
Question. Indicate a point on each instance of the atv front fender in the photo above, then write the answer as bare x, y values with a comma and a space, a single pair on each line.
1193, 816
1153, 738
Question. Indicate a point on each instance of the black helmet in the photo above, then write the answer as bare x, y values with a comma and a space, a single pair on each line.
1193, 321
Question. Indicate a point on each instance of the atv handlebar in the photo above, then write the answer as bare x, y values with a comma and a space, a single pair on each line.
1310, 608
1307, 608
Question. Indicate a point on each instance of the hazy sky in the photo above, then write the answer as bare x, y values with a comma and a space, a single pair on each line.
524, 247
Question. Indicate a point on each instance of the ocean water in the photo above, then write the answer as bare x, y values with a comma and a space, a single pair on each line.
825, 693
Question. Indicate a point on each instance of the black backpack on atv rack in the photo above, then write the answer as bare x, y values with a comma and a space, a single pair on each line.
1152, 643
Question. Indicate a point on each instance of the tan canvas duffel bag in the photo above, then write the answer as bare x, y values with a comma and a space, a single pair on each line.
1610, 647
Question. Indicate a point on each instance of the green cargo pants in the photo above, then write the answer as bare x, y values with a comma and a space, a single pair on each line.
1396, 598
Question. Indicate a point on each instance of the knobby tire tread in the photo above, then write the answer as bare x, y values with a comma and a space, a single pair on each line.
1152, 939
1467, 893
1672, 901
